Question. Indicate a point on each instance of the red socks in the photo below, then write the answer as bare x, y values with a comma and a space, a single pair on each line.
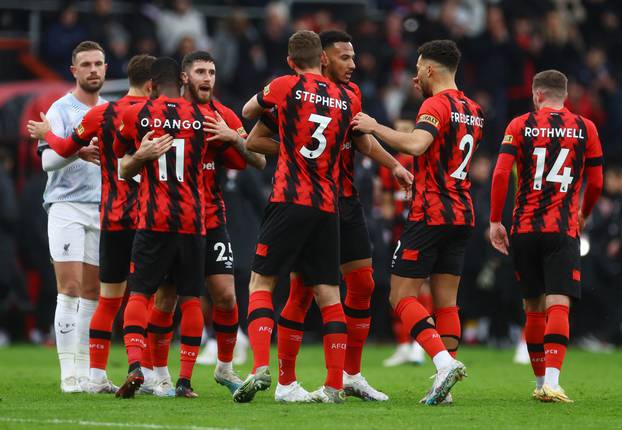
134, 328
415, 318
191, 330
359, 289
535, 325
335, 341
160, 333
291, 329
100, 330
225, 325
556, 335
260, 326
147, 361
448, 326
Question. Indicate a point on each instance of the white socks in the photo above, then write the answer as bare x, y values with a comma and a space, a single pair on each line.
551, 377
442, 359
161, 373
86, 309
97, 374
539, 381
66, 337
223, 365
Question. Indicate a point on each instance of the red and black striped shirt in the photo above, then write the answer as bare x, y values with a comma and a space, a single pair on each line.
346, 165
314, 116
171, 191
551, 148
118, 208
220, 155
441, 187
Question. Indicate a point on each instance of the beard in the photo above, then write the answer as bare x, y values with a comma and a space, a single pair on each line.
91, 87
195, 93
425, 90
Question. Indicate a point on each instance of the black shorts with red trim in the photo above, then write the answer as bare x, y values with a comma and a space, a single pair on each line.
354, 236
547, 263
115, 252
430, 249
299, 234
218, 252
177, 257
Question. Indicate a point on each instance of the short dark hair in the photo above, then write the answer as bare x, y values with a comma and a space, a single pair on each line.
87, 45
330, 37
553, 82
190, 58
305, 49
444, 52
165, 71
139, 69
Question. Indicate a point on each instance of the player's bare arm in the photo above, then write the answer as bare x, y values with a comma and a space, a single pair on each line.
222, 132
90, 153
382, 157
150, 149
415, 143
252, 109
260, 140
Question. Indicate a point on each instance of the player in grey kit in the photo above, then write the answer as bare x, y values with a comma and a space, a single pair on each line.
71, 198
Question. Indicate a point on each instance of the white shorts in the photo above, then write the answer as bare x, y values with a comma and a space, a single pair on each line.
73, 232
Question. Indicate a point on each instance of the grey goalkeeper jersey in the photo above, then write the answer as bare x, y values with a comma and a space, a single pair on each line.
79, 181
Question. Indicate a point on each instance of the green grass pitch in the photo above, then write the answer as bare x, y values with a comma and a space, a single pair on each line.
496, 395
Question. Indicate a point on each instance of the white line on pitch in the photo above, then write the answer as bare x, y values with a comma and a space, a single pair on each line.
107, 424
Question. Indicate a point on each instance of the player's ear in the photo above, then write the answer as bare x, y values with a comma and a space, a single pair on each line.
73, 70
324, 59
291, 63
184, 78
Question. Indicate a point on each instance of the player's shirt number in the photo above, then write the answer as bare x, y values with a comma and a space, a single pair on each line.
178, 144
460, 173
318, 135
553, 176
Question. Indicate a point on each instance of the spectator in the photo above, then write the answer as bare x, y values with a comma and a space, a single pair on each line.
182, 20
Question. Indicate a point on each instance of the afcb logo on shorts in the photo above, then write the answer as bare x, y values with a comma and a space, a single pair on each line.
66, 248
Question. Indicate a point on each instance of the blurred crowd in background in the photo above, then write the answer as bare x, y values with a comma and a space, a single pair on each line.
503, 43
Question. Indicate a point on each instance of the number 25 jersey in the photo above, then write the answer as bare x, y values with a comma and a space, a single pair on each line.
551, 148
314, 116
171, 190
441, 187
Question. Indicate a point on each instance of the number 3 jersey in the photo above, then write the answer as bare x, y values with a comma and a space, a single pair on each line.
551, 148
171, 190
314, 116
441, 187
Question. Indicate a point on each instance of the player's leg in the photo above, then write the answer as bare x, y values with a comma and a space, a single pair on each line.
562, 274
221, 288
527, 257
188, 274
415, 258
153, 254
289, 338
159, 336
66, 243
444, 289
280, 241
115, 250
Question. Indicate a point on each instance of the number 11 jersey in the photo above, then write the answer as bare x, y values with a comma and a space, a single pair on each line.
171, 191
441, 187
314, 116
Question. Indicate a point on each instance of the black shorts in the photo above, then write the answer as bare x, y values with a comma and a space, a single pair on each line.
547, 263
115, 252
430, 249
218, 252
158, 254
354, 236
299, 234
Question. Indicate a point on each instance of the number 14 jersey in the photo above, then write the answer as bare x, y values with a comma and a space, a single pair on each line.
171, 191
441, 187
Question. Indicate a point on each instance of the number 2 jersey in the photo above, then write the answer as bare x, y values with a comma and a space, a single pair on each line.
314, 116
171, 191
551, 148
441, 187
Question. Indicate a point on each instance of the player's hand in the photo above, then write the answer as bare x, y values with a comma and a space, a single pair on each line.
404, 178
219, 129
499, 237
90, 153
152, 149
37, 129
364, 123
581, 221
